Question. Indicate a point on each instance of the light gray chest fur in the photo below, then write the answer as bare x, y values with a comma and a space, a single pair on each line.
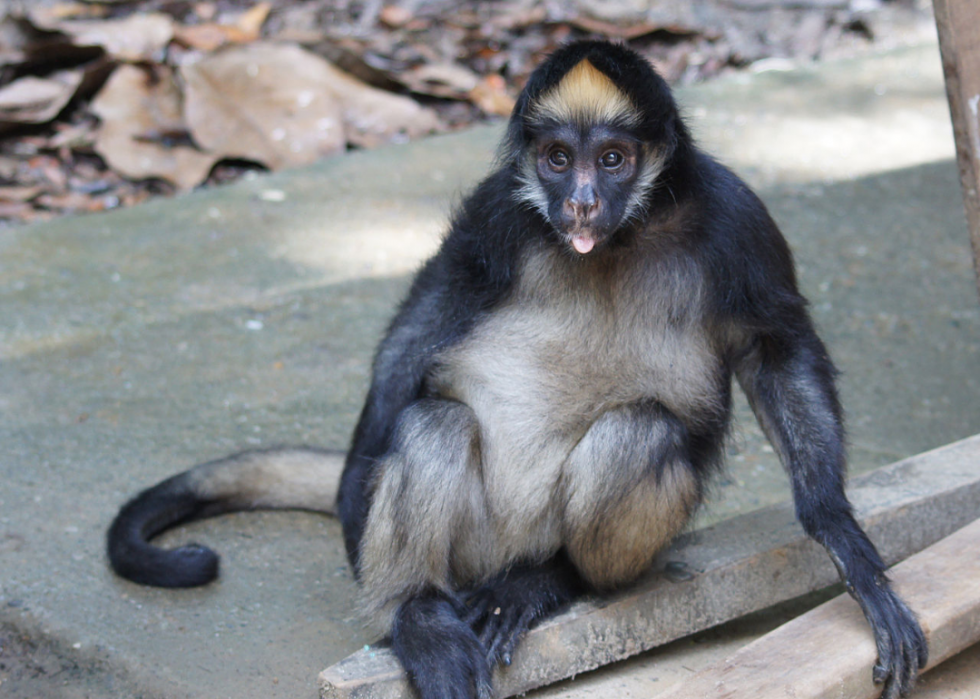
575, 338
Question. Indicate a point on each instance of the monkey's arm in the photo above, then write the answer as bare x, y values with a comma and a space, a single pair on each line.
789, 380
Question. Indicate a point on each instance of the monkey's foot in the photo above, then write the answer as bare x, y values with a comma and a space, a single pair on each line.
440, 652
502, 610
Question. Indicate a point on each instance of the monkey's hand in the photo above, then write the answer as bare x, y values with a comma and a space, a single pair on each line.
902, 648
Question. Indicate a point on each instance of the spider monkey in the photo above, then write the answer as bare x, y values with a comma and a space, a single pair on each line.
554, 392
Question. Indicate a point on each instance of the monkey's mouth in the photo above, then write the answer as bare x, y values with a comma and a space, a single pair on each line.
582, 238
582, 243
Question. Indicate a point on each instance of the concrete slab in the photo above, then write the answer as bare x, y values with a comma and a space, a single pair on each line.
136, 343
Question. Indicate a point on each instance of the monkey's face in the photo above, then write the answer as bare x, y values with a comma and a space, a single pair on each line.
587, 179
583, 166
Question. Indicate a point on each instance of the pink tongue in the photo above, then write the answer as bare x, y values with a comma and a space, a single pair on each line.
582, 244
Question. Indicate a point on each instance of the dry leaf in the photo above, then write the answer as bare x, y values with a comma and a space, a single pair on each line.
251, 21
52, 14
28, 46
203, 37
205, 10
211, 36
31, 100
139, 37
14, 193
634, 30
72, 201
491, 96
19, 210
395, 16
283, 106
446, 80
133, 106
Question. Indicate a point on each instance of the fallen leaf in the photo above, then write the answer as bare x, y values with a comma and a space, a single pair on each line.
31, 100
72, 136
139, 37
283, 106
72, 201
46, 15
48, 169
349, 56
205, 10
250, 22
446, 80
212, 35
203, 37
22, 211
133, 104
395, 16
491, 96
35, 50
519, 19
19, 193
633, 31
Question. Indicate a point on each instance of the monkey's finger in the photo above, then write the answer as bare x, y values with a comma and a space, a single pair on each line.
911, 669
880, 673
502, 644
493, 625
479, 609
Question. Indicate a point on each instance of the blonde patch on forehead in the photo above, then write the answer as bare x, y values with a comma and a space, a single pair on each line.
586, 95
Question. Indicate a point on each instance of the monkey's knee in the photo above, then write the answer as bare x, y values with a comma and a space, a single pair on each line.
631, 489
427, 491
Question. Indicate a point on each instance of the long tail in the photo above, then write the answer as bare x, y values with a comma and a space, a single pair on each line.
275, 479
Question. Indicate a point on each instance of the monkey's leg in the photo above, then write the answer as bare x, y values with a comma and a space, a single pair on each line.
627, 489
630, 487
427, 513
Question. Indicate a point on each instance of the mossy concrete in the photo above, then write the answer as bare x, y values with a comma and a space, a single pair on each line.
139, 342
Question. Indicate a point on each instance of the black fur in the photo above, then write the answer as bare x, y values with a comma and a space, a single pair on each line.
154, 510
440, 652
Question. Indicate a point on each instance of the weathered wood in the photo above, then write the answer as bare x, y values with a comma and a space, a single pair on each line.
742, 565
941, 583
958, 22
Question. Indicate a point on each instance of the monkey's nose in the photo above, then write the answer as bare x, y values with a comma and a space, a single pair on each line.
582, 210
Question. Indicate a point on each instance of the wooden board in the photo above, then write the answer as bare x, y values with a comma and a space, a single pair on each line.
958, 22
739, 566
942, 584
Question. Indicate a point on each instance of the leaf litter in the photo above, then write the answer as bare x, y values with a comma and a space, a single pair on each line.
105, 103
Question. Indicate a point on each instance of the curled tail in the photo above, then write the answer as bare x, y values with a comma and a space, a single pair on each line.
304, 479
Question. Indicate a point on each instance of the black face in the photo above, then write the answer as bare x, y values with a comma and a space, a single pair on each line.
587, 178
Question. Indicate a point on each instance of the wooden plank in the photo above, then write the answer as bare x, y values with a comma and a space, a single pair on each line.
958, 22
739, 566
941, 583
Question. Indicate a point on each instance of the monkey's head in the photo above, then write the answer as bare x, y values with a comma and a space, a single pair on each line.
592, 131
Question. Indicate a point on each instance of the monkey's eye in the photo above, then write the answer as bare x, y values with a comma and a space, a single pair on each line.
611, 159
559, 159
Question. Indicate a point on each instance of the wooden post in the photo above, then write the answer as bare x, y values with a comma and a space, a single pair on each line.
958, 22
